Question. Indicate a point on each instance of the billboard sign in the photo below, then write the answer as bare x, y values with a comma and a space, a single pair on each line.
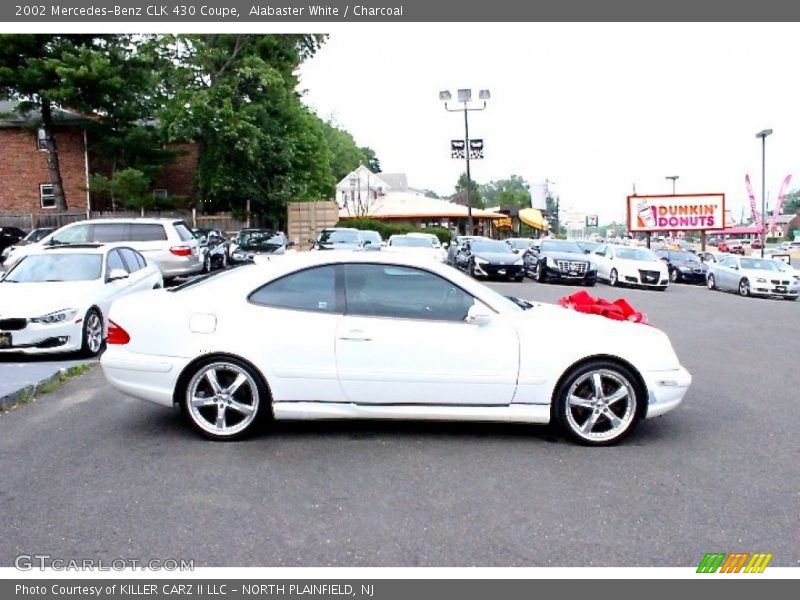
592, 220
688, 212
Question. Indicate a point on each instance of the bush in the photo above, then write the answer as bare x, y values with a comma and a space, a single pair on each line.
387, 228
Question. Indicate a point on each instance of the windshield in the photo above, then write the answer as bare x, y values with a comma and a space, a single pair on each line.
590, 246
761, 265
569, 247
404, 241
256, 239
338, 236
57, 267
372, 236
684, 256
201, 234
636, 254
490, 246
519, 244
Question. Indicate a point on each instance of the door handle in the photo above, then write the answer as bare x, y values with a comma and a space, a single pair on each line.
355, 335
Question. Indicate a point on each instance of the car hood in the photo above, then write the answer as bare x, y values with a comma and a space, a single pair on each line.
761, 273
689, 263
37, 299
262, 248
498, 258
339, 246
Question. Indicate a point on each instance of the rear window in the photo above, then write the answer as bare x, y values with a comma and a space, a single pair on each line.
183, 231
146, 232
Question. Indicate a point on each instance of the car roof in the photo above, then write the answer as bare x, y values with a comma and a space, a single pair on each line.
85, 248
127, 220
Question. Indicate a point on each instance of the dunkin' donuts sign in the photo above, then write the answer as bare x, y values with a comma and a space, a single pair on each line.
692, 212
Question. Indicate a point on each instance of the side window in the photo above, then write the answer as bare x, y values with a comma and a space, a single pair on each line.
312, 290
403, 293
146, 232
77, 234
110, 232
115, 261
131, 259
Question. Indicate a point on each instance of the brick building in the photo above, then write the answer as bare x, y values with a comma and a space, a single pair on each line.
24, 179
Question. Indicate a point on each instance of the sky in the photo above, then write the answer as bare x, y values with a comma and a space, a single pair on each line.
595, 108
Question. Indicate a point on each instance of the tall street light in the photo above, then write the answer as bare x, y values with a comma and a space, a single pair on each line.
763, 135
465, 97
673, 177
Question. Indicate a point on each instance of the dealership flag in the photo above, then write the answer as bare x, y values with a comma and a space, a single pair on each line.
756, 214
777, 209
458, 149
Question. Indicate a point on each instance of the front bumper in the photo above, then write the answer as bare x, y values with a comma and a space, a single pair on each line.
661, 280
692, 276
37, 338
553, 274
771, 290
665, 390
507, 271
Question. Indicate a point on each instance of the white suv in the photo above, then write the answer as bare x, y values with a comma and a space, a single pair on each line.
167, 242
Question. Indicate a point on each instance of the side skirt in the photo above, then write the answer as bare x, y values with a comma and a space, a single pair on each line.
512, 413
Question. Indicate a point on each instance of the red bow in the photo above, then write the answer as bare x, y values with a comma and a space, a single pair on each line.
618, 310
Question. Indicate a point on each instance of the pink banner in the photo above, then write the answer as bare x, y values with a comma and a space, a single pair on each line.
777, 209
756, 214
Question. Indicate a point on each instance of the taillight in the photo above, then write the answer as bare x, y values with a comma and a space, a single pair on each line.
181, 250
116, 334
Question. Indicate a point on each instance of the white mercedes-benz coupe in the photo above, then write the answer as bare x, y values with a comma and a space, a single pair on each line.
341, 335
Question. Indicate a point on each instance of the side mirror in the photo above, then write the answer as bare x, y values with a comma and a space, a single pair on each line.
368, 242
117, 274
587, 251
445, 244
479, 315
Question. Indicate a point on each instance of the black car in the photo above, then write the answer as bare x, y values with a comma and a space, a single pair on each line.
489, 258
560, 260
214, 248
684, 266
10, 236
250, 242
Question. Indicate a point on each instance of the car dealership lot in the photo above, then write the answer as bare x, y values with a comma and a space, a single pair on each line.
90, 473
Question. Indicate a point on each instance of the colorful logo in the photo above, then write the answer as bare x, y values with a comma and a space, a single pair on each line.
735, 562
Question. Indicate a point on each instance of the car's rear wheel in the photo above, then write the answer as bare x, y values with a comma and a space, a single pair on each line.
224, 399
613, 278
92, 339
711, 282
599, 403
207, 264
744, 287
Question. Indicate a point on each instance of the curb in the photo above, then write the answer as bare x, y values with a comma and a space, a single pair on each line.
28, 393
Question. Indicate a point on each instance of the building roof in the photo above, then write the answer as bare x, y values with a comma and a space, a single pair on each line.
397, 182
408, 205
10, 116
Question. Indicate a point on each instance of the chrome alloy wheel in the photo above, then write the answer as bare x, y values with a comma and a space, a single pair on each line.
93, 332
601, 404
222, 399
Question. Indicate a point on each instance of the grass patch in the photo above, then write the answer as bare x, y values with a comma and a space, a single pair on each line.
52, 386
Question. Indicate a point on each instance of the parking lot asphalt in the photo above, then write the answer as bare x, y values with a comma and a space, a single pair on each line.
88, 472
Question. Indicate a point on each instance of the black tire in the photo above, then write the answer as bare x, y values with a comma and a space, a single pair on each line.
206, 264
541, 276
91, 346
471, 269
674, 276
613, 278
251, 394
579, 382
224, 261
711, 283
744, 287
590, 283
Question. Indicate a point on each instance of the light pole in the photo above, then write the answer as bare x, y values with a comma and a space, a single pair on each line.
465, 97
673, 177
763, 135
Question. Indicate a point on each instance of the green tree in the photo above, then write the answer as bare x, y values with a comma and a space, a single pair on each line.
371, 161
476, 199
791, 204
514, 191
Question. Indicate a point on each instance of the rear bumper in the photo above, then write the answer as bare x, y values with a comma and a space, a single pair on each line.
151, 378
665, 390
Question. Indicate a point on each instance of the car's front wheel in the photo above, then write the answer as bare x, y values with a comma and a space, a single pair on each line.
674, 276
224, 398
744, 287
711, 282
599, 403
613, 278
92, 339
